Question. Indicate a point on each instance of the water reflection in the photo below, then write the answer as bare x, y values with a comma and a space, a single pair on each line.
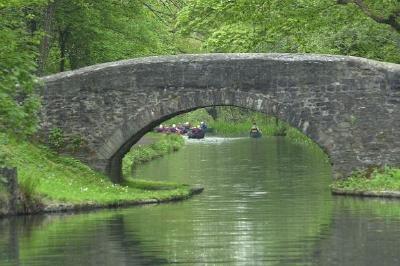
266, 203
363, 232
86, 239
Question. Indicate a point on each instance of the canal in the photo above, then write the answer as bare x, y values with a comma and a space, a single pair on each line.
266, 202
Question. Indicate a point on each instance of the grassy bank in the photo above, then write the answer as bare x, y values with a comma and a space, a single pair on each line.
163, 144
50, 178
371, 182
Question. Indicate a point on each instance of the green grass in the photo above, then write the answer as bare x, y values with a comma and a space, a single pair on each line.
242, 128
57, 178
164, 144
385, 179
194, 118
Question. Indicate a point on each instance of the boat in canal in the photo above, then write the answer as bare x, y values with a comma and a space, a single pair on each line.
196, 133
255, 134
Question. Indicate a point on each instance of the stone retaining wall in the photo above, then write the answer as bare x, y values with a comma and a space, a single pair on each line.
9, 177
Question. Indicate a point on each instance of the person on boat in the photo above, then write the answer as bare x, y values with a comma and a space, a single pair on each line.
255, 132
187, 125
160, 129
181, 129
203, 126
254, 128
173, 129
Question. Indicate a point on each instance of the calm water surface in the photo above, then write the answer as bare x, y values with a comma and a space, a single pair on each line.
266, 202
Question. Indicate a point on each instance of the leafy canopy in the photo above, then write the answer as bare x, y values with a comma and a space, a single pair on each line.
304, 26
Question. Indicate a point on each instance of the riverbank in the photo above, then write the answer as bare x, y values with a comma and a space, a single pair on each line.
49, 182
380, 182
157, 146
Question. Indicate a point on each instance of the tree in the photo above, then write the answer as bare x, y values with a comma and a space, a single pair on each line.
46, 36
303, 26
86, 32
18, 101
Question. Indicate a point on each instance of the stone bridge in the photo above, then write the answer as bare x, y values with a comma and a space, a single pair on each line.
349, 106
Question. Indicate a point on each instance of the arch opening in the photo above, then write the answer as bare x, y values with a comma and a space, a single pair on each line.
116, 160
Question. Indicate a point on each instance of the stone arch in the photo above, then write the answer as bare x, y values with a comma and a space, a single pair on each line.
349, 106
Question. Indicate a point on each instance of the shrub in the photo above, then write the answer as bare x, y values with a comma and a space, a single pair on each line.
56, 139
28, 188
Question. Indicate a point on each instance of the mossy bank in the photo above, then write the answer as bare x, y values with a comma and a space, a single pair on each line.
374, 182
50, 182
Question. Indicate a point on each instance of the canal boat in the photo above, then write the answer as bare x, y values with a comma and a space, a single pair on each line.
196, 133
255, 134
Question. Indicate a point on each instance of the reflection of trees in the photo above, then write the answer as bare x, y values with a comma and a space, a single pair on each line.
9, 246
11, 229
86, 239
363, 232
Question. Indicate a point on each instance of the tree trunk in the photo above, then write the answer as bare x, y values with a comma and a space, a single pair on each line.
62, 41
45, 43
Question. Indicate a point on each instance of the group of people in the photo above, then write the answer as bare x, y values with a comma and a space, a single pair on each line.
199, 131
181, 129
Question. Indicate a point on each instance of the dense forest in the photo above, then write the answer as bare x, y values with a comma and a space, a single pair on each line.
39, 37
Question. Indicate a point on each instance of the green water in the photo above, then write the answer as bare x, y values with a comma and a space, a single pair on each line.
266, 202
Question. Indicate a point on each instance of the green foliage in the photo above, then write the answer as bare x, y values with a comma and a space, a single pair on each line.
75, 143
238, 121
18, 102
56, 139
59, 142
292, 26
29, 188
53, 178
378, 179
194, 117
90, 32
43, 36
3, 156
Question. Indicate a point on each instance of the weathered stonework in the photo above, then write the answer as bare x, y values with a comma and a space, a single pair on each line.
10, 178
349, 106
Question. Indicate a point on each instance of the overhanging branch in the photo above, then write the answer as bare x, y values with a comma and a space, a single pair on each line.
391, 20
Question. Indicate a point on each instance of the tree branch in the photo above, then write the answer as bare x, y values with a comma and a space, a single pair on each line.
156, 13
391, 20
